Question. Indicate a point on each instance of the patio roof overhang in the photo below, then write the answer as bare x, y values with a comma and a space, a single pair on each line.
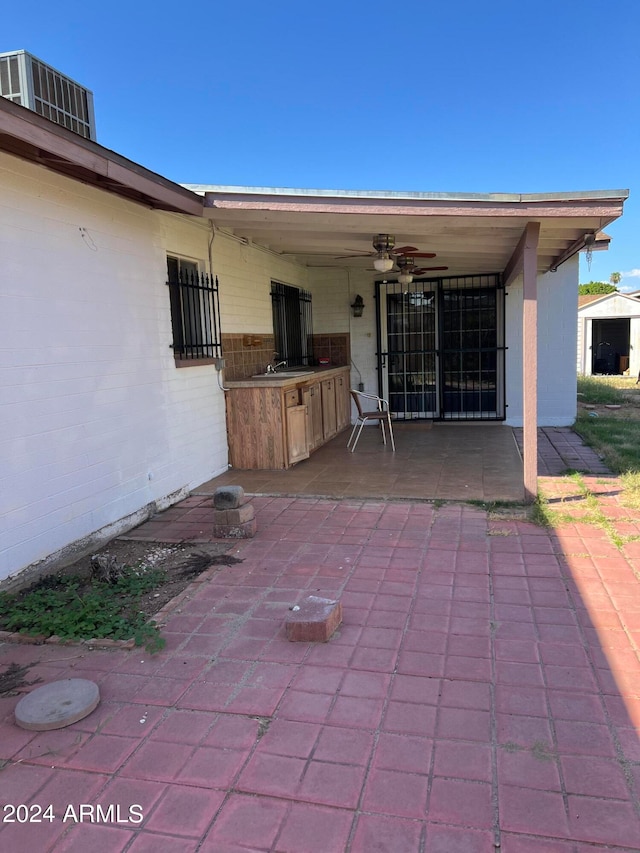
32, 137
511, 234
470, 233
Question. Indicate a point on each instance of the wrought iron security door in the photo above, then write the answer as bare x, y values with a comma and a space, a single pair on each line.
441, 348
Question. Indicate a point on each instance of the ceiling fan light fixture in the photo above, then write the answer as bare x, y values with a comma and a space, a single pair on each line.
384, 263
405, 278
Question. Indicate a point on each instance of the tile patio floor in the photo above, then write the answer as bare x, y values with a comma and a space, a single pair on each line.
444, 461
484, 688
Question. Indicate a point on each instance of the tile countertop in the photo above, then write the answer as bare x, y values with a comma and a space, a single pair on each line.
273, 380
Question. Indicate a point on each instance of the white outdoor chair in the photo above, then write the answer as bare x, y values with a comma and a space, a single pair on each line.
380, 414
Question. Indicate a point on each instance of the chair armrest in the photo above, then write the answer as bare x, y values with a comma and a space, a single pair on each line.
383, 405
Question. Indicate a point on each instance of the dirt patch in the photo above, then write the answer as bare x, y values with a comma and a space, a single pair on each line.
109, 597
180, 563
627, 411
13, 679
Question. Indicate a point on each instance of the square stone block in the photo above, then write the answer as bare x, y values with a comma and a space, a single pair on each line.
315, 621
247, 530
228, 497
241, 515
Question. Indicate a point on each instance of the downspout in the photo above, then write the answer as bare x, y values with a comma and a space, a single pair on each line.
219, 362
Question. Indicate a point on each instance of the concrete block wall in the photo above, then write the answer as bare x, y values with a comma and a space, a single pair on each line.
557, 341
330, 289
97, 423
245, 273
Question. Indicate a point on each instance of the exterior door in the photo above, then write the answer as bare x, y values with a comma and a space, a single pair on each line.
410, 359
441, 348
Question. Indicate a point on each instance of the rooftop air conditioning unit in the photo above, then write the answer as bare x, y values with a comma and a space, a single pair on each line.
26, 80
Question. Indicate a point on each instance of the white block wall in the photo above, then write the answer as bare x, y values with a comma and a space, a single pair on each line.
245, 273
91, 405
331, 292
96, 421
557, 333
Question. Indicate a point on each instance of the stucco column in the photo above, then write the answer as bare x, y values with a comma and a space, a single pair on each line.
530, 360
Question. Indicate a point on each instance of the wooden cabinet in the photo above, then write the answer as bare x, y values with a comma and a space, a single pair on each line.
329, 421
312, 398
343, 402
255, 428
274, 423
297, 443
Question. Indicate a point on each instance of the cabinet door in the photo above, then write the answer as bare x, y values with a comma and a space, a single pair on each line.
313, 401
343, 399
297, 444
329, 423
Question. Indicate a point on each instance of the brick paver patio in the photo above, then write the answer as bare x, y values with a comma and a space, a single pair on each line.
483, 690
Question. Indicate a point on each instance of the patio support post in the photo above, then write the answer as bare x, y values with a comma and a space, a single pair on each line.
530, 360
525, 261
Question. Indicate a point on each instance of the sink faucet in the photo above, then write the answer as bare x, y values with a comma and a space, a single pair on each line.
273, 368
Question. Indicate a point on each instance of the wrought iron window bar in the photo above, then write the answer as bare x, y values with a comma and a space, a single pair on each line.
292, 324
195, 314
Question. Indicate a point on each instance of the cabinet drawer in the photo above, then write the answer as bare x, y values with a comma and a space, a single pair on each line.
292, 398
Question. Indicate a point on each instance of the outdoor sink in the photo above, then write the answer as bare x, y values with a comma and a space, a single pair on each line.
282, 374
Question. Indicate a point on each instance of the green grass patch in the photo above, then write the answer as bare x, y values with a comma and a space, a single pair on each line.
548, 516
616, 440
603, 390
631, 484
74, 608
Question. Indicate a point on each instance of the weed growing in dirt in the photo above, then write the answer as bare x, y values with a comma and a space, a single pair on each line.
547, 516
73, 608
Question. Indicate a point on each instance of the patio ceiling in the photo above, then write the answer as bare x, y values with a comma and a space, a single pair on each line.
474, 233
470, 233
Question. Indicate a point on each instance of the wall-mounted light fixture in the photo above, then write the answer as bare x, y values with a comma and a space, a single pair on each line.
357, 305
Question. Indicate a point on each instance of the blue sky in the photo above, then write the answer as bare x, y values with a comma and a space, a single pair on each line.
451, 97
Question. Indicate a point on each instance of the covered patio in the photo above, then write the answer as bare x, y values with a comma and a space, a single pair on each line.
465, 345
440, 461
450, 462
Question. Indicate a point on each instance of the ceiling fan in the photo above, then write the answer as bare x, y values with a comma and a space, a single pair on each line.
386, 253
407, 266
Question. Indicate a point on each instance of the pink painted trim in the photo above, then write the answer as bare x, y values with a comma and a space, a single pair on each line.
418, 207
530, 360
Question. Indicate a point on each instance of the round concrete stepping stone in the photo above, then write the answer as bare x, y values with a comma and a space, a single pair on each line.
57, 704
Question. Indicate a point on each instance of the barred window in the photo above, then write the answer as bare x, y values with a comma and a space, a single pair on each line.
292, 326
195, 314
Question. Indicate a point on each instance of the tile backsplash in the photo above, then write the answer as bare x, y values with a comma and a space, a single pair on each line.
334, 347
247, 354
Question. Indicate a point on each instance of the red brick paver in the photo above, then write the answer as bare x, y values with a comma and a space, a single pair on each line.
484, 687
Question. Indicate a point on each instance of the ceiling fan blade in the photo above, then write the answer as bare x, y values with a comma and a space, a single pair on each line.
420, 254
404, 250
427, 269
